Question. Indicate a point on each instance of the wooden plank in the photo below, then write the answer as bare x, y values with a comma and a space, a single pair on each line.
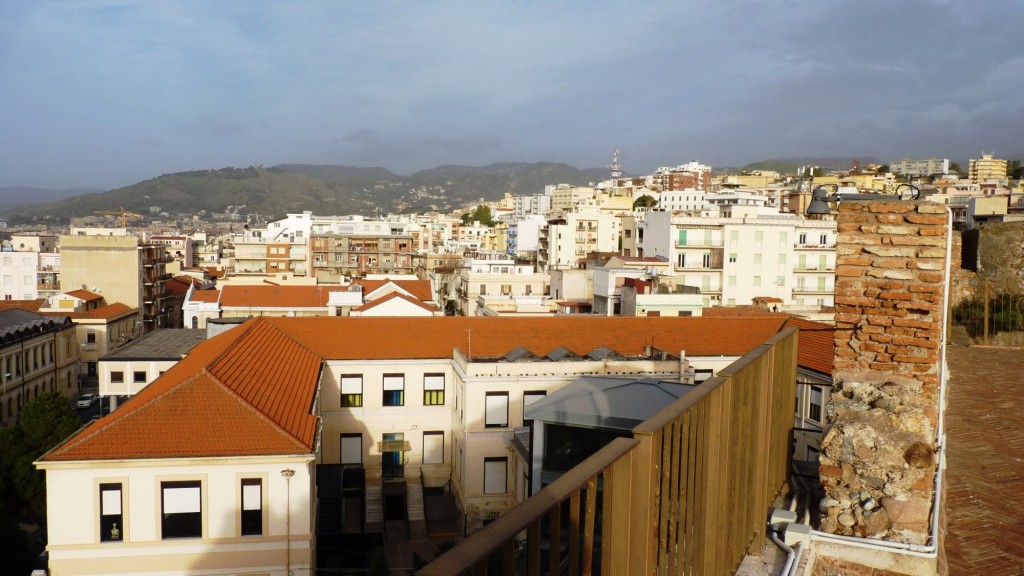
664, 481
574, 533
617, 518
643, 504
533, 549
555, 536
676, 468
508, 557
685, 539
711, 513
588, 527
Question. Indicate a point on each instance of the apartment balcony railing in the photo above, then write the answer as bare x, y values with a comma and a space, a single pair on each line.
813, 268
812, 290
688, 494
811, 246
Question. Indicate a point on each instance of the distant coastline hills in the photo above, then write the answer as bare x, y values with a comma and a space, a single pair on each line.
272, 192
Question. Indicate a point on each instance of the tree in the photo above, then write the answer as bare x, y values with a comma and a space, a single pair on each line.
1014, 171
45, 422
482, 214
883, 169
954, 167
645, 201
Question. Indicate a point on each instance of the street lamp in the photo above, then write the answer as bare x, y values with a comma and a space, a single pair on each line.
287, 473
820, 198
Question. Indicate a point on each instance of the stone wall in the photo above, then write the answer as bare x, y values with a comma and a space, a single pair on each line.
878, 456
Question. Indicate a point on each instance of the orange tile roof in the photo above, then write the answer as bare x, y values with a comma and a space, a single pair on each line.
260, 296
30, 305
106, 312
434, 337
374, 303
816, 347
87, 295
205, 295
418, 288
247, 392
250, 391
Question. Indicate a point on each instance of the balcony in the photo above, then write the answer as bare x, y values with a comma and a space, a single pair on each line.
689, 493
809, 246
813, 290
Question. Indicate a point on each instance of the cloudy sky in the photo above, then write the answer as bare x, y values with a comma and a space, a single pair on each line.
102, 93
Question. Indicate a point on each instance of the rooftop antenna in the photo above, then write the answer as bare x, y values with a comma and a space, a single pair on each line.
616, 171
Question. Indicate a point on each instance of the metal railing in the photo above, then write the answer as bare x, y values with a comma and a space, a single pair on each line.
688, 494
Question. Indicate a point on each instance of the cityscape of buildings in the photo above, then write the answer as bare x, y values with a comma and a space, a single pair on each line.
271, 391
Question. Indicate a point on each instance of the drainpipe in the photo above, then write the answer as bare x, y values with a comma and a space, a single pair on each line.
287, 473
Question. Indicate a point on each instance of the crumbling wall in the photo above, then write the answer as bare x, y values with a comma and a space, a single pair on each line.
878, 456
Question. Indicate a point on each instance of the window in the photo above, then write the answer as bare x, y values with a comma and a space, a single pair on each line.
757, 258
782, 259
351, 390
707, 260
252, 507
803, 238
814, 410
394, 389
496, 475
117, 377
824, 239
139, 377
181, 505
496, 410
732, 281
352, 448
732, 257
111, 518
529, 398
757, 280
433, 389
90, 337
483, 289
433, 447
758, 236
734, 235
506, 289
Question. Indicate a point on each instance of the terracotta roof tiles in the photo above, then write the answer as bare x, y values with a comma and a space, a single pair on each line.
87, 295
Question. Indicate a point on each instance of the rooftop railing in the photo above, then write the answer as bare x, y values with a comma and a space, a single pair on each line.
688, 494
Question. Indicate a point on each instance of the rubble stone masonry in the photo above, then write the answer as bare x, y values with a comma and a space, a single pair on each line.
878, 454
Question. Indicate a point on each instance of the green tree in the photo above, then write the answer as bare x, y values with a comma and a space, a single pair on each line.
1014, 171
482, 214
645, 201
954, 168
883, 169
47, 420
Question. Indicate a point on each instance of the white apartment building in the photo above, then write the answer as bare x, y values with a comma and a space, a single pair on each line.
734, 260
565, 197
19, 275
568, 240
495, 275
914, 168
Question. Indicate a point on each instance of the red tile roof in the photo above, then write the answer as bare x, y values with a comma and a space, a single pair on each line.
434, 337
418, 288
816, 347
374, 303
105, 312
248, 391
205, 295
264, 296
30, 305
87, 295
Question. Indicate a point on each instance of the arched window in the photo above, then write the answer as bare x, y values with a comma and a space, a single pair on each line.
195, 322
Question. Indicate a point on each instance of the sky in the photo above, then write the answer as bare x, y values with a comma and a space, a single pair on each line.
103, 94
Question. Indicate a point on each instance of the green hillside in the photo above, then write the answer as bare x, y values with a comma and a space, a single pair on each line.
273, 192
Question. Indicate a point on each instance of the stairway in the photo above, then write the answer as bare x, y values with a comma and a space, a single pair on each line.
374, 506
414, 506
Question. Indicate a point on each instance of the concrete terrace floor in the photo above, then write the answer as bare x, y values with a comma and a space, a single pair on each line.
985, 461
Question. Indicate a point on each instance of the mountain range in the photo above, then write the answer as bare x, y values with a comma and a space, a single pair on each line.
272, 192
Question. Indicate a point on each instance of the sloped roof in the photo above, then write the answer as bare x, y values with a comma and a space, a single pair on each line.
247, 392
102, 313
205, 296
380, 301
418, 288
434, 337
816, 347
272, 296
30, 305
607, 402
87, 295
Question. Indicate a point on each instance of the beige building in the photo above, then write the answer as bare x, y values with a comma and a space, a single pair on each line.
37, 354
121, 268
985, 168
100, 328
148, 490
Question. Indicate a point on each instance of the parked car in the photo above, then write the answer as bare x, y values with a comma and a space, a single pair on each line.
86, 400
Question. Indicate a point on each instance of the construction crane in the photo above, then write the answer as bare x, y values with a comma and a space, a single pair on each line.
124, 214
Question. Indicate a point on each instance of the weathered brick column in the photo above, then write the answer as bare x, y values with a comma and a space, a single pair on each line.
878, 456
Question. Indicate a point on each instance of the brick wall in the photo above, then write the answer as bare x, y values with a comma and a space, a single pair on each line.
878, 452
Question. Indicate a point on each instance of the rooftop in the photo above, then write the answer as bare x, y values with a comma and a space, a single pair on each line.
169, 343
